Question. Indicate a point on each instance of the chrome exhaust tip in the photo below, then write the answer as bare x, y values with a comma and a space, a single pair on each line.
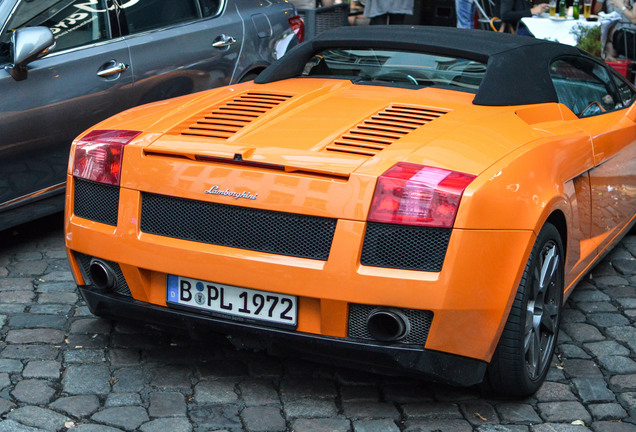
388, 325
102, 274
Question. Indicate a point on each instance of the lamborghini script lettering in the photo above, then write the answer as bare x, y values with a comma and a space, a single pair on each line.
214, 190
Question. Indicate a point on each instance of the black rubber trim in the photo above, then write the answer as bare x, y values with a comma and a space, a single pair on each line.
391, 360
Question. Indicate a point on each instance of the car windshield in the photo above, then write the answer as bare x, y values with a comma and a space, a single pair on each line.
396, 68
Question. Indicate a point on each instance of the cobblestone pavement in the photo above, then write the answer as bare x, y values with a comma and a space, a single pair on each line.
63, 369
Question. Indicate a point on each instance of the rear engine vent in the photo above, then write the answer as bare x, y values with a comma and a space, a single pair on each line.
96, 201
384, 128
227, 119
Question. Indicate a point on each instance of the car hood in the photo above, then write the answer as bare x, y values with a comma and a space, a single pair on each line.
334, 127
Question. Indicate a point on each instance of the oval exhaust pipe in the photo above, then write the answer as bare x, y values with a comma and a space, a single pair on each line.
102, 274
388, 325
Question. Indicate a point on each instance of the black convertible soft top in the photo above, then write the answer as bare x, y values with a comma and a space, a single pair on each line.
518, 67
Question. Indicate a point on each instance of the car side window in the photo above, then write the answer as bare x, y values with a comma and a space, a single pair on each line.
584, 86
210, 7
625, 91
73, 23
145, 15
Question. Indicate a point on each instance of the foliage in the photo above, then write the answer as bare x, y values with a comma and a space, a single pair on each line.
588, 39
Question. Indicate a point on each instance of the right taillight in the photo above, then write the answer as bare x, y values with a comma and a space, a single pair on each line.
298, 26
412, 194
99, 155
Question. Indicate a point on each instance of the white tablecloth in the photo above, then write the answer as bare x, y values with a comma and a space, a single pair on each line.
557, 30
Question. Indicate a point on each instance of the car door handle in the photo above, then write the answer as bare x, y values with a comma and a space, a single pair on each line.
223, 41
112, 69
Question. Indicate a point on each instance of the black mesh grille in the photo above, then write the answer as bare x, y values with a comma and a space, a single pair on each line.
95, 201
420, 322
84, 261
404, 247
239, 227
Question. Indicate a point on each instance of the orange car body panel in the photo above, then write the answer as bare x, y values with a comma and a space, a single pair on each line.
531, 163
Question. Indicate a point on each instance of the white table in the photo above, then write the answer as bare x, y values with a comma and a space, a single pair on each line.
557, 30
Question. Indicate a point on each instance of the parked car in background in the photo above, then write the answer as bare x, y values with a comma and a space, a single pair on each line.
414, 199
67, 65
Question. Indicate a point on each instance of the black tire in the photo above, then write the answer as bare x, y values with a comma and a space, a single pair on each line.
524, 353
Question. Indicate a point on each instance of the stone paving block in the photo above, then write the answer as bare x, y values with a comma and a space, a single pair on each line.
593, 389
560, 427
28, 268
295, 389
503, 428
366, 393
479, 413
431, 411
264, 368
569, 351
375, 426
582, 368
321, 425
223, 369
15, 284
309, 408
122, 399
622, 291
176, 377
82, 341
593, 307
216, 417
5, 406
29, 352
625, 334
519, 413
589, 295
39, 417
167, 404
86, 379
553, 391
91, 326
124, 357
84, 356
123, 417
215, 392
77, 406
581, 332
5, 381
31, 321
263, 419
627, 302
628, 400
618, 364
624, 382
610, 426
10, 365
610, 281
603, 320
12, 426
42, 369
558, 412
50, 309
625, 266
59, 276
22, 297
258, 392
12, 308
55, 287
370, 410
438, 426
607, 411
67, 298
167, 424
29, 336
130, 379
606, 348
32, 391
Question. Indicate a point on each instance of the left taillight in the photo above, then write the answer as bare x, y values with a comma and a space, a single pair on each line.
298, 26
99, 154
412, 194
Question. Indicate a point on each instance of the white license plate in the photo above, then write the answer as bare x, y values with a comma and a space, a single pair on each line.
249, 304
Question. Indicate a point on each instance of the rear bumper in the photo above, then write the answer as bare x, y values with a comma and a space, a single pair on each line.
432, 365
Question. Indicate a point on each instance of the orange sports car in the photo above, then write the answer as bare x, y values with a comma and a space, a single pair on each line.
415, 200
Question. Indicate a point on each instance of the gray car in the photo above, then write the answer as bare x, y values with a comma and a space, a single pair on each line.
68, 64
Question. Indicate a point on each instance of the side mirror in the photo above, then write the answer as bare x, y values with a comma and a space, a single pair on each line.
28, 44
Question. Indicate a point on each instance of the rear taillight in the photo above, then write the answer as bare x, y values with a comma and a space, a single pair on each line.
411, 194
298, 26
99, 154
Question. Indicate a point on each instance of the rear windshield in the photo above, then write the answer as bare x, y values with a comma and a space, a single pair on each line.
396, 68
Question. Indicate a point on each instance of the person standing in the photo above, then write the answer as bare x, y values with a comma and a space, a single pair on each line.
465, 10
387, 11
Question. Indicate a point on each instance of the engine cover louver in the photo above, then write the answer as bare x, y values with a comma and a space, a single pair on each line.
384, 128
227, 119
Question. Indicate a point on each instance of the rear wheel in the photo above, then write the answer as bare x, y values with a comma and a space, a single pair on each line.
524, 353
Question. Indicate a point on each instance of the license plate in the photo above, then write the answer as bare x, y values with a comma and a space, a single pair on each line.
235, 302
